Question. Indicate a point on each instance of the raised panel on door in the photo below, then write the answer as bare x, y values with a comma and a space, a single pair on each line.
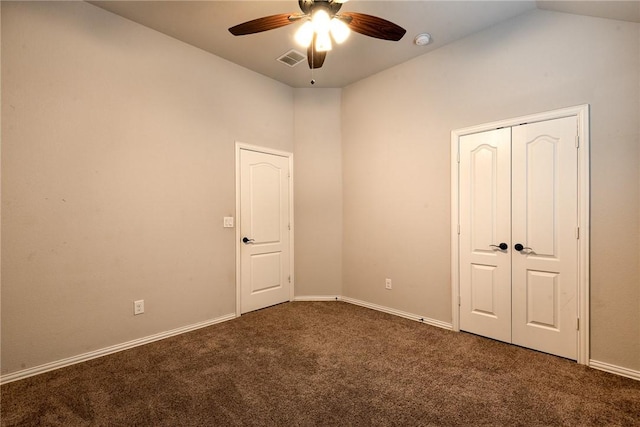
485, 270
264, 221
264, 201
544, 220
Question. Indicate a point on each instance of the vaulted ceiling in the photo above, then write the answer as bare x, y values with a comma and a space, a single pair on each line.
204, 24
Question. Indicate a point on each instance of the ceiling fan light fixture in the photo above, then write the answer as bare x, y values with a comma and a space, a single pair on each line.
323, 42
339, 30
321, 21
304, 35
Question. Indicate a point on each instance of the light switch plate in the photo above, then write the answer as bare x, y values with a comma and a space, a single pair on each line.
228, 222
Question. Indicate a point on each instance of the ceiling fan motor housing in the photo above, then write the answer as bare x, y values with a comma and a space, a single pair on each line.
308, 6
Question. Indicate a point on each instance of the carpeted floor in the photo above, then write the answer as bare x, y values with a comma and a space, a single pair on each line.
323, 363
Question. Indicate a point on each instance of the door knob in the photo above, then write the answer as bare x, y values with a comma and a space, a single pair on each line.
519, 247
502, 246
247, 240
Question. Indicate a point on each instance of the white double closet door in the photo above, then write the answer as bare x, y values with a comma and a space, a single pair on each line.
518, 204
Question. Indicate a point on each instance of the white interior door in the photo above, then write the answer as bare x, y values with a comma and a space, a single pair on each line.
518, 187
265, 270
485, 201
544, 221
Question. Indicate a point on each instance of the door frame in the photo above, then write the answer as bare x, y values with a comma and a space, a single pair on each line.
581, 112
240, 146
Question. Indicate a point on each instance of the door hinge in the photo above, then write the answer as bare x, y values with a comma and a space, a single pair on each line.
459, 300
577, 324
577, 232
458, 228
289, 278
289, 226
458, 156
577, 141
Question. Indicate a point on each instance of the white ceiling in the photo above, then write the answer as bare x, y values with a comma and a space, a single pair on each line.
205, 24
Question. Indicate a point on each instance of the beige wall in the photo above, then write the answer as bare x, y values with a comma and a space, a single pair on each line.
118, 166
396, 160
117, 169
318, 192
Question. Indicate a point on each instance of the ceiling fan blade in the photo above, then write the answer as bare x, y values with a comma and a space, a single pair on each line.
315, 58
263, 24
373, 26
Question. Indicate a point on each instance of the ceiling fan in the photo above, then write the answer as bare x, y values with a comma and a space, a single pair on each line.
322, 24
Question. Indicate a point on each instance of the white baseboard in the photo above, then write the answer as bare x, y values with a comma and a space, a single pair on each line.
613, 369
15, 376
410, 316
317, 298
25, 373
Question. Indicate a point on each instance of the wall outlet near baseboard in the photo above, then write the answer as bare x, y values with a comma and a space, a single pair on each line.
387, 284
138, 307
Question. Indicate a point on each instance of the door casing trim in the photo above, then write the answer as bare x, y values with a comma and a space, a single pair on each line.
581, 112
248, 147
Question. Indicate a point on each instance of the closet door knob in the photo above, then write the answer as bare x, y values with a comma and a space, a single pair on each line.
502, 246
519, 247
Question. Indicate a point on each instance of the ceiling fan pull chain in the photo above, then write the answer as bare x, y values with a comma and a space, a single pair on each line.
313, 81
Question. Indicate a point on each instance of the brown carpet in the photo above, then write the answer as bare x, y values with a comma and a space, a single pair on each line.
323, 363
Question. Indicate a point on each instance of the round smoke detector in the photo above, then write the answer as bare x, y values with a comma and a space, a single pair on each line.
422, 39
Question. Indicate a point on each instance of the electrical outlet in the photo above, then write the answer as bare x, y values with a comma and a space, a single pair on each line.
138, 307
228, 222
387, 283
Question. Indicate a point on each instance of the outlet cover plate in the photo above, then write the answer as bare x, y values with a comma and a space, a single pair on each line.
138, 307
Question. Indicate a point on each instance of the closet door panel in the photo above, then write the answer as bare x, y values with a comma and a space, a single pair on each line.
544, 221
485, 269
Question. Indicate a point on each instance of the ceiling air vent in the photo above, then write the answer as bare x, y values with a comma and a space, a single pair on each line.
292, 58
